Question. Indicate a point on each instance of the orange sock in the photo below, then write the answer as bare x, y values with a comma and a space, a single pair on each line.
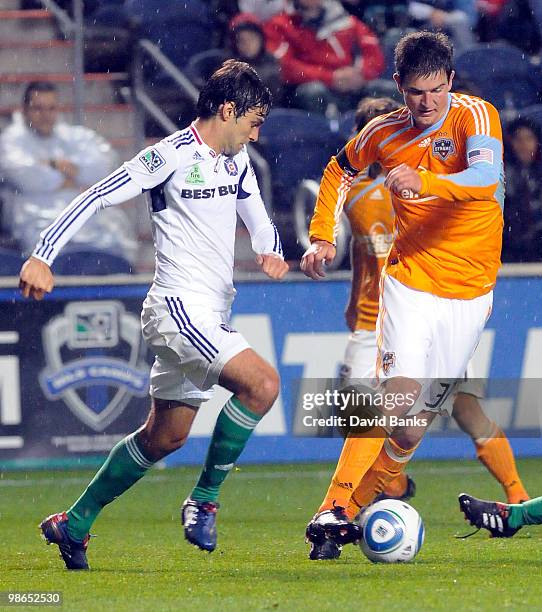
496, 454
357, 456
387, 467
397, 486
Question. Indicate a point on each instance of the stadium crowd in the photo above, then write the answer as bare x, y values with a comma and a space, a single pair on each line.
319, 58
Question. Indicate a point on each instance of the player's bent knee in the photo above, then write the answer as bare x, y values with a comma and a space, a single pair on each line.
262, 392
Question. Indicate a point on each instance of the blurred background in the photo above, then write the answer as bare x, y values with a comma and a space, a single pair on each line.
85, 85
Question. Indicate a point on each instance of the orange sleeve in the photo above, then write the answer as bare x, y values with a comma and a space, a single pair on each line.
358, 153
483, 177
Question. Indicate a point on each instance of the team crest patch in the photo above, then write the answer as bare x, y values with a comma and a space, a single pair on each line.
231, 166
152, 160
443, 148
195, 177
388, 362
227, 328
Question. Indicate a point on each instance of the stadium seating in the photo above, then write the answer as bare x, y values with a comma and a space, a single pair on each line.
180, 29
90, 262
533, 112
202, 65
10, 262
503, 74
297, 145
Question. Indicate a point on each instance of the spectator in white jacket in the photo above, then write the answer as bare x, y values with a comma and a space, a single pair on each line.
46, 163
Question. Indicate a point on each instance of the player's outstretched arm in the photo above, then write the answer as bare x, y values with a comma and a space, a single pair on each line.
315, 257
273, 265
36, 279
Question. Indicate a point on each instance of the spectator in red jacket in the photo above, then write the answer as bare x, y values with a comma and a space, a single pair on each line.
326, 55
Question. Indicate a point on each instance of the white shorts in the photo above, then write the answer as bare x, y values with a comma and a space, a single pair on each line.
426, 337
359, 356
192, 343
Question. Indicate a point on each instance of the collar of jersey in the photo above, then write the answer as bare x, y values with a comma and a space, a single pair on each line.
201, 144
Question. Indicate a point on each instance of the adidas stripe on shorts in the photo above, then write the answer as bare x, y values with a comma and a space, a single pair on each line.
191, 343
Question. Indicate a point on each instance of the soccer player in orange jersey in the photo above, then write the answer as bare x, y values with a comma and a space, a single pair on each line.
369, 210
443, 156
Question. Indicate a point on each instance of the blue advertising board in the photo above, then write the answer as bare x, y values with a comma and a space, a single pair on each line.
74, 371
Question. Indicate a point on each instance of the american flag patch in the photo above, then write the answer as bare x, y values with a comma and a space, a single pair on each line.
480, 155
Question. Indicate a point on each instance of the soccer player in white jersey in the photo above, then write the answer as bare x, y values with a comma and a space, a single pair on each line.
197, 180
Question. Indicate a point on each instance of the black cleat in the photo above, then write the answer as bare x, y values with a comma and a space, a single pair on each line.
409, 493
489, 515
332, 525
55, 531
327, 550
199, 521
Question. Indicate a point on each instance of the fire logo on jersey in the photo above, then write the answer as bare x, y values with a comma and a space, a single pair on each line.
231, 166
443, 148
94, 360
388, 362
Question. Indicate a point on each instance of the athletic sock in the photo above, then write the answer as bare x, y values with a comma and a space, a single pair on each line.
388, 465
528, 513
357, 456
124, 466
496, 454
233, 428
397, 486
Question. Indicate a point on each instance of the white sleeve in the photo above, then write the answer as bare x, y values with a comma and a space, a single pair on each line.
147, 169
263, 233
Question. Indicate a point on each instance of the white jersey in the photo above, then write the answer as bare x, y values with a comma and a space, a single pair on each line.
194, 197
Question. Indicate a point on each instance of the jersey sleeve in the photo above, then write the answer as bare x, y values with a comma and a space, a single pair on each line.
483, 177
264, 235
358, 153
153, 165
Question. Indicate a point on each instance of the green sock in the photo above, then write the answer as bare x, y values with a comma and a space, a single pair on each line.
124, 466
233, 428
527, 513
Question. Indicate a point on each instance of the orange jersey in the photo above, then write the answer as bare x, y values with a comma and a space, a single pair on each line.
448, 237
370, 212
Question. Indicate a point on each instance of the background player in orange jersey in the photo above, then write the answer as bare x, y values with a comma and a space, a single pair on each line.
369, 210
443, 155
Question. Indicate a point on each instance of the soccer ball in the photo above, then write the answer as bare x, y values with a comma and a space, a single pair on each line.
393, 532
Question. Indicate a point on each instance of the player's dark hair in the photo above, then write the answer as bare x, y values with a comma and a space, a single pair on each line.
39, 87
369, 108
423, 54
235, 82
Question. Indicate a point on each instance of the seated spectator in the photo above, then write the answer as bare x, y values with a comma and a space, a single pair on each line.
247, 40
326, 55
456, 17
48, 163
522, 238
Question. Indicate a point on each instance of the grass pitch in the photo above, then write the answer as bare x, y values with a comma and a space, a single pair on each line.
140, 560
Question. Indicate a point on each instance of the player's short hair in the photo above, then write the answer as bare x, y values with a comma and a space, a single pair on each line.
423, 54
39, 87
369, 108
235, 82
